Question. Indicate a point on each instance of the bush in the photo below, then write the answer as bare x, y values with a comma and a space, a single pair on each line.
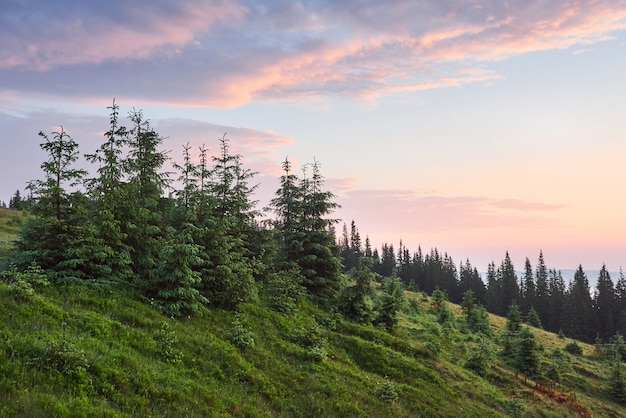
386, 392
314, 343
239, 334
63, 356
23, 283
166, 341
574, 348
516, 408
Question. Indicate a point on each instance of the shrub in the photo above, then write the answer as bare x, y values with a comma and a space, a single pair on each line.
314, 343
574, 348
23, 283
516, 408
166, 341
63, 356
239, 334
386, 392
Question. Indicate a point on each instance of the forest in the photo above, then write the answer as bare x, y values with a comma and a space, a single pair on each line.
206, 244
193, 242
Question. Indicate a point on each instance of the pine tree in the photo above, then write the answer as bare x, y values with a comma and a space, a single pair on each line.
389, 303
605, 306
510, 288
493, 299
141, 214
579, 309
528, 286
108, 193
306, 241
542, 291
176, 282
527, 353
57, 229
357, 301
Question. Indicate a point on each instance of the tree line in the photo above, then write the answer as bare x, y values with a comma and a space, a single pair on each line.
189, 248
204, 244
573, 309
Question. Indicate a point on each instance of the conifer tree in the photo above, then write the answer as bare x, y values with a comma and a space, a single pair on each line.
528, 288
389, 303
306, 240
108, 193
494, 290
604, 304
578, 309
357, 301
57, 229
527, 353
508, 278
141, 214
542, 292
555, 302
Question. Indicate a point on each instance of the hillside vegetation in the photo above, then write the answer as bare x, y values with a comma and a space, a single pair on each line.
125, 298
79, 351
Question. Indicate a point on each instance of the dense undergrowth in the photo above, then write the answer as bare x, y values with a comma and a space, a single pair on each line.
72, 351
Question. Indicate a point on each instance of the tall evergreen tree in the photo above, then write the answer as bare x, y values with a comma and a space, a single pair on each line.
57, 229
510, 288
306, 241
555, 308
605, 306
542, 292
579, 309
108, 192
142, 216
528, 286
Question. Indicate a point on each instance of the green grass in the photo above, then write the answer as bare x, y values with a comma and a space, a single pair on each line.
10, 222
75, 351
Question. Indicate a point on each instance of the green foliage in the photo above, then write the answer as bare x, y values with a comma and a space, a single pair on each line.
357, 301
283, 291
386, 392
389, 303
24, 283
573, 348
63, 356
515, 408
527, 353
240, 334
478, 321
166, 342
533, 318
313, 341
481, 358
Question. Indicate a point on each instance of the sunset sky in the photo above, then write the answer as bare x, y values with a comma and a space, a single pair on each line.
475, 127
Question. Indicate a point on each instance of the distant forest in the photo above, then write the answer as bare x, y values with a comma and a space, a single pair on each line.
206, 245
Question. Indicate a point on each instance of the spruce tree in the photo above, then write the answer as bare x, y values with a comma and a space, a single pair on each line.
306, 240
108, 192
357, 300
578, 309
542, 292
57, 229
605, 306
141, 213
528, 286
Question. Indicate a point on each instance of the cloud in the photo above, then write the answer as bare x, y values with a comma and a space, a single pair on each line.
227, 53
42, 34
400, 211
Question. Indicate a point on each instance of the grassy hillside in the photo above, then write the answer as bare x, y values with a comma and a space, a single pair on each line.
10, 222
76, 351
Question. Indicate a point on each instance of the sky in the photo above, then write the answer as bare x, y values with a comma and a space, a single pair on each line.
476, 127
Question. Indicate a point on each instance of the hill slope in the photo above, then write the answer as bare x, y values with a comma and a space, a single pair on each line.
77, 351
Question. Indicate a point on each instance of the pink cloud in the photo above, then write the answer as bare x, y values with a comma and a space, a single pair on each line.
80, 36
402, 210
228, 53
